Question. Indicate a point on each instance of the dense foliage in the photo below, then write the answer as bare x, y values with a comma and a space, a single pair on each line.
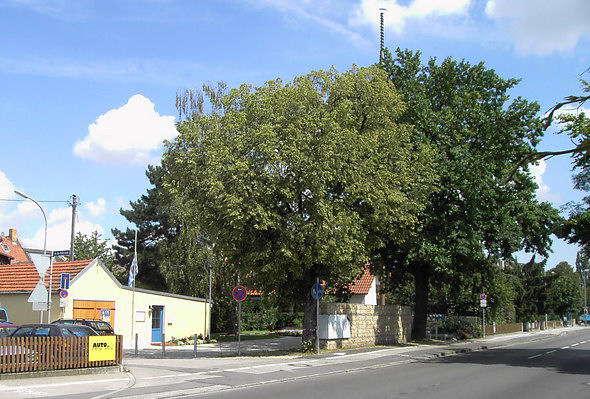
463, 111
299, 181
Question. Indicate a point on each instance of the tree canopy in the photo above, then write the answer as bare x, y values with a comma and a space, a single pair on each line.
463, 111
300, 181
93, 246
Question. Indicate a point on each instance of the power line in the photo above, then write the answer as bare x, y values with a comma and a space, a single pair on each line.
22, 200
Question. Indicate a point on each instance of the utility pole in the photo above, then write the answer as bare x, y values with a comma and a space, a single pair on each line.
74, 204
382, 36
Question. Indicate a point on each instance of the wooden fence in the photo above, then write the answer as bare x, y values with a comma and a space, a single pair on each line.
50, 353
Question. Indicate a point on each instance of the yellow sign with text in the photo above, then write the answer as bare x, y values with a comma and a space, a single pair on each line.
102, 348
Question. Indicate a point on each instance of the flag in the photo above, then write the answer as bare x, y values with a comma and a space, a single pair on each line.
132, 272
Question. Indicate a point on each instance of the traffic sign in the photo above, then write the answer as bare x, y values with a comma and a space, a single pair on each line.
239, 293
317, 291
65, 252
41, 262
39, 293
483, 303
63, 294
65, 281
483, 297
39, 306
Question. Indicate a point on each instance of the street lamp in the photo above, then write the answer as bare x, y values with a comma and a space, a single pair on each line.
44, 253
44, 217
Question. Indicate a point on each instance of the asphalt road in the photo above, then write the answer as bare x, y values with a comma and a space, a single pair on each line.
533, 366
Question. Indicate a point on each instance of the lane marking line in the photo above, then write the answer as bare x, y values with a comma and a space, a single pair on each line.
62, 384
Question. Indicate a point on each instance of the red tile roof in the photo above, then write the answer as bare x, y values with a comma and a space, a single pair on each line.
362, 284
23, 277
14, 250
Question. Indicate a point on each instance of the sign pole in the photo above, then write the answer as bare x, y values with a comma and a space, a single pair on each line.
317, 321
239, 293
484, 322
239, 325
133, 292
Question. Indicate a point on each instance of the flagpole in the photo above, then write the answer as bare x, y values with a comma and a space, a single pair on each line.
134, 271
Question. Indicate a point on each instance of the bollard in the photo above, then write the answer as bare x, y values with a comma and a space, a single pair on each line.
436, 331
136, 350
196, 348
163, 345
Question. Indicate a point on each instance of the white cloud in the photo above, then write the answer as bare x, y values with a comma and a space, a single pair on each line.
172, 73
321, 13
537, 170
132, 133
6, 186
96, 208
397, 15
542, 27
59, 231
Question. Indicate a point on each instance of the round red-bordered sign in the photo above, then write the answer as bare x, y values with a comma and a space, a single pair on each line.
63, 294
239, 293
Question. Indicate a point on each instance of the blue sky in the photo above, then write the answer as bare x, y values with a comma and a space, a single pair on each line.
88, 87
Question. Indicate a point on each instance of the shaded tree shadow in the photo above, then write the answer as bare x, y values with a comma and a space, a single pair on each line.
568, 361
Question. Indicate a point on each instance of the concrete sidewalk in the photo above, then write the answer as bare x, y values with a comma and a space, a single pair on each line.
222, 349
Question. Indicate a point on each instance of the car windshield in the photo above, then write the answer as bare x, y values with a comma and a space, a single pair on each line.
24, 332
3, 316
42, 332
79, 331
98, 326
6, 331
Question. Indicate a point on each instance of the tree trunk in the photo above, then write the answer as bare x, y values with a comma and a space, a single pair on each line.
422, 288
309, 309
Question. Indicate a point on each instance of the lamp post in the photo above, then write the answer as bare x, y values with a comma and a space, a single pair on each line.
44, 253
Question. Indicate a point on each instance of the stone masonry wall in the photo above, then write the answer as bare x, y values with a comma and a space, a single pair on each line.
370, 324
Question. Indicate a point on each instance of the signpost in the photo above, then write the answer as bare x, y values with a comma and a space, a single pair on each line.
317, 291
239, 293
63, 298
62, 253
483, 303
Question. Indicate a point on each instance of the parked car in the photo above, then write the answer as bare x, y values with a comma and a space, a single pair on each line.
53, 330
101, 327
6, 329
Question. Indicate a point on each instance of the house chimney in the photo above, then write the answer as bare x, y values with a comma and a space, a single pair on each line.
12, 235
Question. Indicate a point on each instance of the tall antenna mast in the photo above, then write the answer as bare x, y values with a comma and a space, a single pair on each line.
382, 35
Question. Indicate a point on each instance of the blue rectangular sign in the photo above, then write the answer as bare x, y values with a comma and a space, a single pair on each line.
65, 281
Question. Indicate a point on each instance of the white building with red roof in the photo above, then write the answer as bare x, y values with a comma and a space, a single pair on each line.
95, 294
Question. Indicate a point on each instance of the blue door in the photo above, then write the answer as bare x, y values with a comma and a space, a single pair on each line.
157, 320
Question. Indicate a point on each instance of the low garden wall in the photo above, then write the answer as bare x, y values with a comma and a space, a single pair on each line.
370, 324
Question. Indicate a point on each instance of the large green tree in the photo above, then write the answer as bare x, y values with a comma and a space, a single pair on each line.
298, 181
564, 290
156, 225
464, 112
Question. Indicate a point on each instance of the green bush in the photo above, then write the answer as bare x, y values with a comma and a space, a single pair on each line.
461, 327
286, 319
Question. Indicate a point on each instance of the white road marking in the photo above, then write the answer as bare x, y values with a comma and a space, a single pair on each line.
5, 388
532, 357
565, 347
554, 350
575, 344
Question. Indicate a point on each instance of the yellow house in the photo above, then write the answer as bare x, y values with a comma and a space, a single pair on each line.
94, 293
